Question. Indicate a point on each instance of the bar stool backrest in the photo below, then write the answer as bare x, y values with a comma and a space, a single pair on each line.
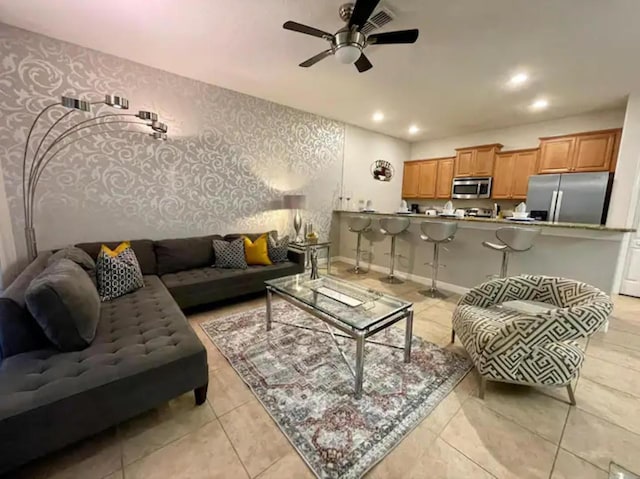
394, 226
439, 231
518, 239
358, 224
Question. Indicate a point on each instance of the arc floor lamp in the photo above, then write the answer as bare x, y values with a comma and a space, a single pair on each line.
34, 165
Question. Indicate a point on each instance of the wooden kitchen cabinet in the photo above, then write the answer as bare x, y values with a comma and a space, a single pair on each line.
410, 179
485, 158
502, 176
476, 160
582, 152
464, 163
511, 173
556, 154
594, 152
427, 179
445, 178
525, 165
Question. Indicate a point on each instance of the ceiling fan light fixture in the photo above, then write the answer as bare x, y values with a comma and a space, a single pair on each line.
348, 54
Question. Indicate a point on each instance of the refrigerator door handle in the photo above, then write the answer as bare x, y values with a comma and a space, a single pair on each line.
558, 206
552, 210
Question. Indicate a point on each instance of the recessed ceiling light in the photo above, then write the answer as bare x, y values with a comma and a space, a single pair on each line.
378, 116
413, 129
540, 104
518, 79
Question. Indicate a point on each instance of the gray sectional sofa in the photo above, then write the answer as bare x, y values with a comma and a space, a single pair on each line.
144, 352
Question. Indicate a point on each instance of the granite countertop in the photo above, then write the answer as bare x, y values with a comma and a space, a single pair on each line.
545, 224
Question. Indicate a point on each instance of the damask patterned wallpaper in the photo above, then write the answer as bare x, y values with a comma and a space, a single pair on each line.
229, 157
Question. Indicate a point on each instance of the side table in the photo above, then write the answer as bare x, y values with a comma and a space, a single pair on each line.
306, 247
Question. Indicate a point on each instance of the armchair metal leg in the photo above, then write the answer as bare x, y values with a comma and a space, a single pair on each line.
453, 336
483, 387
572, 397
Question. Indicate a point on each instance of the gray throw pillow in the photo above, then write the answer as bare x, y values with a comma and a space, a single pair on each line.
78, 256
278, 249
65, 303
229, 254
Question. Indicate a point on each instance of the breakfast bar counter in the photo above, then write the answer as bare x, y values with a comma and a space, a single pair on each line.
584, 252
500, 221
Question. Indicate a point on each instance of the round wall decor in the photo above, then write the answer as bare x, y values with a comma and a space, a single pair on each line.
382, 170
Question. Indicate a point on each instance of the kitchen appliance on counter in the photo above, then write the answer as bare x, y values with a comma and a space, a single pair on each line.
479, 212
471, 188
571, 197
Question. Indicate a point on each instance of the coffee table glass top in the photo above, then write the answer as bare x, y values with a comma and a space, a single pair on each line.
347, 302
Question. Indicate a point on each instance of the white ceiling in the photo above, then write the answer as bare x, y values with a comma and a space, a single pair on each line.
581, 54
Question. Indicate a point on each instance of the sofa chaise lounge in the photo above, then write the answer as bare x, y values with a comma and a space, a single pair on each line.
144, 352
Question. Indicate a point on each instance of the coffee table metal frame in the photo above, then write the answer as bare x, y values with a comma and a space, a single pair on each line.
359, 335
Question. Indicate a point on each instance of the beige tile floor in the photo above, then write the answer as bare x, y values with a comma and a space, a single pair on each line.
515, 432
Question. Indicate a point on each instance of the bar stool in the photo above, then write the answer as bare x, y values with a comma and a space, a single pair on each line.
513, 240
359, 225
437, 232
393, 227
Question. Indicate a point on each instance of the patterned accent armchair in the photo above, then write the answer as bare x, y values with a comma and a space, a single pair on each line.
536, 349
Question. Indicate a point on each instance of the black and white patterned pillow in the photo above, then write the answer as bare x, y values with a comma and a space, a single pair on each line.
229, 254
278, 249
117, 272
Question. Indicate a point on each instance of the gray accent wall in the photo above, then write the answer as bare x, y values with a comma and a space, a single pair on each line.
230, 157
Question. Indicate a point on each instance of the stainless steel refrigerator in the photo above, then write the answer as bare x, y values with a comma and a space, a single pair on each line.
571, 197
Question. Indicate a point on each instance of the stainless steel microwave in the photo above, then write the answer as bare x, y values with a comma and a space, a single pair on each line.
471, 188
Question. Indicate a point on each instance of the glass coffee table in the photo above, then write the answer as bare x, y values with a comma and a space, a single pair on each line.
357, 311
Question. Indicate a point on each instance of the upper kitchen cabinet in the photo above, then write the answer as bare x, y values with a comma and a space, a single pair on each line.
428, 178
445, 177
582, 152
476, 160
594, 152
525, 165
511, 173
556, 154
410, 179
464, 163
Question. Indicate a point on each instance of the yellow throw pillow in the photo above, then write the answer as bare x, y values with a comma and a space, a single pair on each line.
115, 252
256, 252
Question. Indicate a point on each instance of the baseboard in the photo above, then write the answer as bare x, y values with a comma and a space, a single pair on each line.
453, 288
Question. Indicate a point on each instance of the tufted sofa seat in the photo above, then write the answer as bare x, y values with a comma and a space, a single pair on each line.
144, 354
202, 285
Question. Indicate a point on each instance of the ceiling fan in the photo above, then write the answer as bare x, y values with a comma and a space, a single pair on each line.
349, 42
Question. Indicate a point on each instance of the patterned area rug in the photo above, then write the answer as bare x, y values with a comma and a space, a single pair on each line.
302, 381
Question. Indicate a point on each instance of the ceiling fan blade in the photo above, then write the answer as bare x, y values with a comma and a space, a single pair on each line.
317, 58
299, 27
363, 64
362, 11
401, 36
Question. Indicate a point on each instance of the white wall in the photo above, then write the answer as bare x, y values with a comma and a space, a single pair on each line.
361, 149
8, 255
624, 209
523, 136
625, 184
